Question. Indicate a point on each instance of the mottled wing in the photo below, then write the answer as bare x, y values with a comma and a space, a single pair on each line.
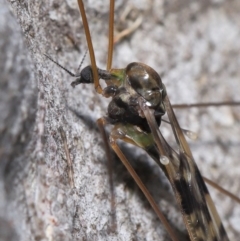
199, 213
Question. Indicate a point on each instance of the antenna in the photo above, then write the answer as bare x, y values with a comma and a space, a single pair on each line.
59, 65
79, 67
68, 71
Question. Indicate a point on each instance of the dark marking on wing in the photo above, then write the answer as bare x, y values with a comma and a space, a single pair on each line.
183, 188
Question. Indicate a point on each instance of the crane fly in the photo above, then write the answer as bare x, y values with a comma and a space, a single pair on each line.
135, 113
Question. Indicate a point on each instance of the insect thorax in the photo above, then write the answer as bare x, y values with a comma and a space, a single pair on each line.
136, 81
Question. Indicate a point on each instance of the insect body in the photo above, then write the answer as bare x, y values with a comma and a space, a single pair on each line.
139, 99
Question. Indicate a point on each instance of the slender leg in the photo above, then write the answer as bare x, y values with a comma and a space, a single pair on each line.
222, 190
110, 34
208, 104
113, 138
90, 47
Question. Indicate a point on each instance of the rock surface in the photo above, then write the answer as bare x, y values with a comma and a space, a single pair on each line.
195, 47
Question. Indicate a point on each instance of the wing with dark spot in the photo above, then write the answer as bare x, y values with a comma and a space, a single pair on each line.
199, 213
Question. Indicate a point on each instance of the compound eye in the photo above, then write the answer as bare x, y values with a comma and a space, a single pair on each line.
86, 75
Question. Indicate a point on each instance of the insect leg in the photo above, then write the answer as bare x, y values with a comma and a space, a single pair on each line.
110, 34
90, 47
124, 133
222, 190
